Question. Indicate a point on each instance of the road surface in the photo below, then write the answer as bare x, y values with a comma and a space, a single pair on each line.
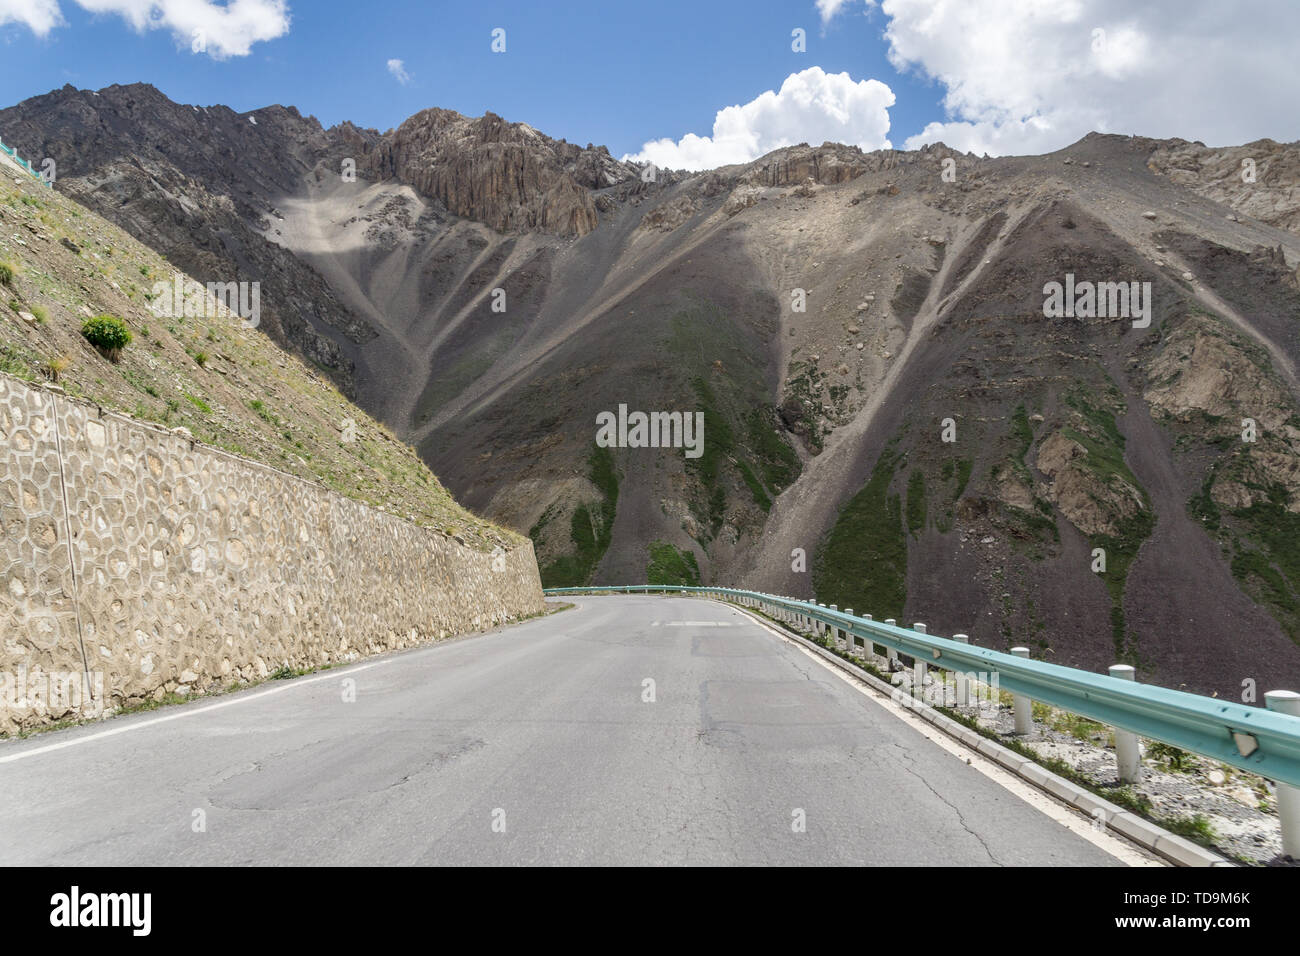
542, 743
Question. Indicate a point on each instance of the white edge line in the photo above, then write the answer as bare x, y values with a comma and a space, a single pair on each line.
1067, 816
126, 728
243, 698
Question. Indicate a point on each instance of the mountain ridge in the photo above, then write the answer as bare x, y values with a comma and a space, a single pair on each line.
922, 272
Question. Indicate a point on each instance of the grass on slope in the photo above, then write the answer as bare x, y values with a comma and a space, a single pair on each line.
670, 566
862, 564
1105, 458
1269, 557
743, 443
590, 529
231, 387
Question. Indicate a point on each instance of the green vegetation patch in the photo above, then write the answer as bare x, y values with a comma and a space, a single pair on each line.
671, 566
590, 529
1270, 565
744, 444
772, 465
916, 502
1105, 459
108, 334
862, 564
778, 464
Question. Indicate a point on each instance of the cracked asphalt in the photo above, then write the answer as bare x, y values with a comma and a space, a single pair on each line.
535, 744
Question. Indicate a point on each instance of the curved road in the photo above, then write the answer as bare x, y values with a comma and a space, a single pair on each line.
536, 744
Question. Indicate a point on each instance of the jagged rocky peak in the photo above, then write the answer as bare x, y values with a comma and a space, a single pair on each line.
825, 165
507, 175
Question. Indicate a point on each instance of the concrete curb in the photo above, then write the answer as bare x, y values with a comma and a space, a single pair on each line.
1175, 849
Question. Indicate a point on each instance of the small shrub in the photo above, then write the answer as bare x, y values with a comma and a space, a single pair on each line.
55, 367
108, 334
1175, 759
201, 358
1196, 828
40, 314
6, 274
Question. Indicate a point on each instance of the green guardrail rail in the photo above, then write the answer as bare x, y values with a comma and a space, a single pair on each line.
12, 152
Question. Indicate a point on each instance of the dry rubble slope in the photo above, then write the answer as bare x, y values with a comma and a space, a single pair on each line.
229, 386
825, 470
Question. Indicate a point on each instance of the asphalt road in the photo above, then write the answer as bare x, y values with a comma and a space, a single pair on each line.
531, 745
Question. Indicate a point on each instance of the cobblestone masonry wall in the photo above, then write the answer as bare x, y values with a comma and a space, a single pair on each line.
136, 562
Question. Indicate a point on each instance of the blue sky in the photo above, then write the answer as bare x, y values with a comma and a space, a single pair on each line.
604, 72
979, 74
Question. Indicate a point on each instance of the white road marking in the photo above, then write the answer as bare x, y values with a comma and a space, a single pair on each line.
257, 695
332, 674
1073, 820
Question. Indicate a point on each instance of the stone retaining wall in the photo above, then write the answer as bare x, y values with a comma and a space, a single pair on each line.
135, 562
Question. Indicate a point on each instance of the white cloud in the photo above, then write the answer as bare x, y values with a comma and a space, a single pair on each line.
812, 107
40, 15
1032, 76
219, 29
398, 69
828, 8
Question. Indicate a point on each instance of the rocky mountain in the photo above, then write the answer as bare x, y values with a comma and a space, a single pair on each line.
506, 175
896, 419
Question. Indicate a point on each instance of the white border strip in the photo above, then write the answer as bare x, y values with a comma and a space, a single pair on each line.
1175, 849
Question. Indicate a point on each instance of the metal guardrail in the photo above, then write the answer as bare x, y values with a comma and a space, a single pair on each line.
1258, 740
12, 153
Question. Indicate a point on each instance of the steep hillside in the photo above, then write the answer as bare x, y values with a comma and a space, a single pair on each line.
197, 184
224, 382
892, 421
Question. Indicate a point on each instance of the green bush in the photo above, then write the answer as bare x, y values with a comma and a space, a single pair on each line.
6, 274
107, 333
670, 566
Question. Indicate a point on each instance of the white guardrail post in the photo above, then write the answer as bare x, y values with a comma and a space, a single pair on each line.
868, 645
891, 655
835, 631
1128, 752
848, 637
963, 687
919, 668
1022, 705
1288, 797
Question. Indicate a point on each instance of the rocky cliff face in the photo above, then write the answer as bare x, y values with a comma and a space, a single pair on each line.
1234, 176
830, 313
506, 175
